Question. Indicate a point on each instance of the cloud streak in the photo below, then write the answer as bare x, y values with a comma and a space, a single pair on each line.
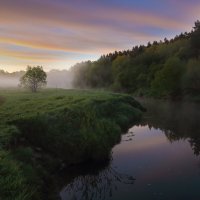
53, 30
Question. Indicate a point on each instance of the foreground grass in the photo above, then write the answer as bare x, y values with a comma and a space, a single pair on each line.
40, 132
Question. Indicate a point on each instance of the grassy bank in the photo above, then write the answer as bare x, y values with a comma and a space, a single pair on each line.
41, 132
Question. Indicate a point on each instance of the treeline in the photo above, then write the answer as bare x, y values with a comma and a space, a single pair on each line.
11, 74
169, 68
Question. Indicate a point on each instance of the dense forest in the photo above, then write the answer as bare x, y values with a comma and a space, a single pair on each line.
169, 68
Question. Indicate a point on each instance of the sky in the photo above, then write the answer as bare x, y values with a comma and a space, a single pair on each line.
56, 34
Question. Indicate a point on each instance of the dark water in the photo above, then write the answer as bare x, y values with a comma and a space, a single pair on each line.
157, 159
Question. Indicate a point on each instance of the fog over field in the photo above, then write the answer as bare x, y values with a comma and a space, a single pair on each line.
59, 79
6, 81
55, 79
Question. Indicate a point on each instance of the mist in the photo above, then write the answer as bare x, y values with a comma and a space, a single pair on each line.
55, 79
9, 82
60, 79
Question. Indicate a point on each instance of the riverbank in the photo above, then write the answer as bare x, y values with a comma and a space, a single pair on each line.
40, 133
156, 159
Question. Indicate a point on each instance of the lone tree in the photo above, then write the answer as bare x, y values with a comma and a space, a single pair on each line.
34, 78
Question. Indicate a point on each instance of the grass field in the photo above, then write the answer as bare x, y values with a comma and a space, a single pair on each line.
39, 132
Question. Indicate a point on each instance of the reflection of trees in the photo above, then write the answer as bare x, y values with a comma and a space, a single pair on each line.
177, 120
97, 186
195, 144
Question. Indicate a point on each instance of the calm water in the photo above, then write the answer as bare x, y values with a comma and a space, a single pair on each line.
156, 159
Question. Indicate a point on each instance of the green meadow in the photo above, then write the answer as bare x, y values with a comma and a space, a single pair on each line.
43, 131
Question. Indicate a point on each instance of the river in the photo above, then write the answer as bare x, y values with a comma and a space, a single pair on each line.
157, 159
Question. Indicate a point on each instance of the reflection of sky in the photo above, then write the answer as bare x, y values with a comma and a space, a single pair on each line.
162, 170
160, 167
57, 34
145, 141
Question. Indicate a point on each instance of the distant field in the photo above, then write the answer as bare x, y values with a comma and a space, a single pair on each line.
39, 132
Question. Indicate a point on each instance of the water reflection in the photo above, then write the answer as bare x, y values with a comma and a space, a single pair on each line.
96, 186
160, 156
177, 120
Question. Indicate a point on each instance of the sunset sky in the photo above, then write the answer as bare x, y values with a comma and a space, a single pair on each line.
59, 33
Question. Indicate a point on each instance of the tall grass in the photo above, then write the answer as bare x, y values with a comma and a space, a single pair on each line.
13, 184
43, 130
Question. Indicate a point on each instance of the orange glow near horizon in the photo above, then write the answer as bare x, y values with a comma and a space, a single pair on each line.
58, 34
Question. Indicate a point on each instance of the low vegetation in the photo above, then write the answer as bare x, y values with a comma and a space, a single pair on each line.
40, 132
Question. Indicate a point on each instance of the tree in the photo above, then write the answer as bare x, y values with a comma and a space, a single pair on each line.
191, 79
34, 78
195, 39
167, 81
